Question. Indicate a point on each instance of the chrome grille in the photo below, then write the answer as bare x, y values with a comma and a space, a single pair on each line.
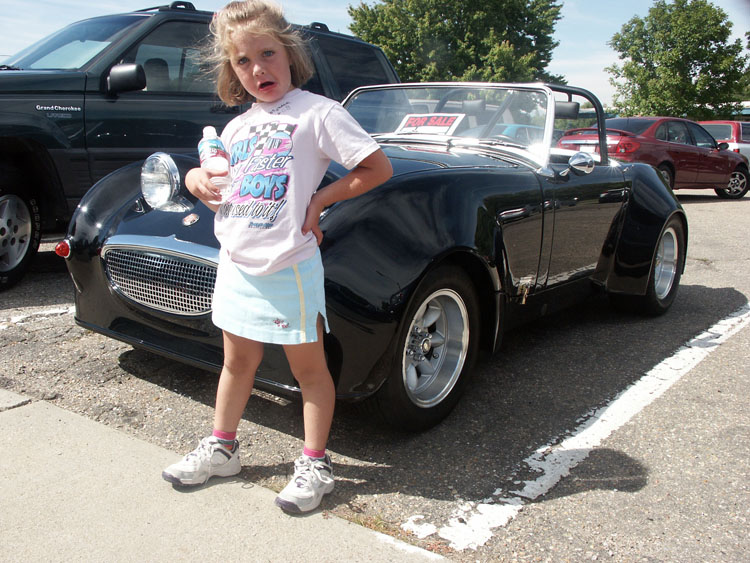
162, 281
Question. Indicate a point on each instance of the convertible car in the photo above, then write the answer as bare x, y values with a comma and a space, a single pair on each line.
475, 233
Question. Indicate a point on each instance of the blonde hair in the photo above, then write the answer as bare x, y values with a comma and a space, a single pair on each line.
259, 17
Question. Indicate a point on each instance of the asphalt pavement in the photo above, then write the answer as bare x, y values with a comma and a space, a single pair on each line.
87, 424
76, 490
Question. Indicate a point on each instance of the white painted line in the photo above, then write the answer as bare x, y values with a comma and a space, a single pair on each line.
471, 525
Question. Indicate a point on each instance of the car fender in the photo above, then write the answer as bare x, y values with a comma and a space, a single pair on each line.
114, 205
648, 209
384, 242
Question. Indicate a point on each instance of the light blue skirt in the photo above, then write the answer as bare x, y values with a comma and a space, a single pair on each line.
279, 308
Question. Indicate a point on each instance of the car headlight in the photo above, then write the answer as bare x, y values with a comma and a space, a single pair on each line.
160, 183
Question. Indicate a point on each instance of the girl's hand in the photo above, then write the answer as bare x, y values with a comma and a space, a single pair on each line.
312, 217
198, 182
372, 171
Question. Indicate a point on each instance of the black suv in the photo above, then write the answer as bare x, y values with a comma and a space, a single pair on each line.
111, 90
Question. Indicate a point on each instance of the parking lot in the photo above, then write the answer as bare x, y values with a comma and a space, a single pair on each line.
545, 457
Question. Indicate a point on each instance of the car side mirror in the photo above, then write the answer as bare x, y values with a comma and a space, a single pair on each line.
723, 146
566, 110
581, 163
126, 78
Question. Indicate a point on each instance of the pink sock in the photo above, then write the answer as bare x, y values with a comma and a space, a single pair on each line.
317, 454
225, 436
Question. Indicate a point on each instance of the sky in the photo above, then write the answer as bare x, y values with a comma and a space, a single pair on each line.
583, 31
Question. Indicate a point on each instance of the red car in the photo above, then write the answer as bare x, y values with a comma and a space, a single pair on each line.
735, 133
683, 151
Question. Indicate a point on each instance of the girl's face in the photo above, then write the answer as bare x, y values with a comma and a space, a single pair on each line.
261, 63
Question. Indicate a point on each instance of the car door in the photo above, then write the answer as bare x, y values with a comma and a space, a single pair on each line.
684, 155
582, 208
168, 114
714, 169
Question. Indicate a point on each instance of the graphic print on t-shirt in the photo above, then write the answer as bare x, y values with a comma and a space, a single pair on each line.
259, 171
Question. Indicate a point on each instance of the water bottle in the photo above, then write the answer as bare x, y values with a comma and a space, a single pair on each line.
214, 157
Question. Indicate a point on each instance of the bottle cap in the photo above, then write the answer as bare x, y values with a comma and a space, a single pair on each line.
209, 131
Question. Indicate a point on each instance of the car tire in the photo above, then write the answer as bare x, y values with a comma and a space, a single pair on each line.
739, 183
664, 276
20, 228
433, 353
666, 172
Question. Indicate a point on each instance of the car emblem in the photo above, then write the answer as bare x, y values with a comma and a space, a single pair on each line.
191, 219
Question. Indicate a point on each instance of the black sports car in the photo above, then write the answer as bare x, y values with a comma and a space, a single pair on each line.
484, 224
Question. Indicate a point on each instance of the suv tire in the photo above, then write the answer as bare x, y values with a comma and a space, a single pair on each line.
20, 227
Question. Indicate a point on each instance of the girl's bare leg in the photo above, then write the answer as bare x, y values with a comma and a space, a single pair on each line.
241, 360
308, 364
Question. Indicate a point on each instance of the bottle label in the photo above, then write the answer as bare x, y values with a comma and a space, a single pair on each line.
210, 148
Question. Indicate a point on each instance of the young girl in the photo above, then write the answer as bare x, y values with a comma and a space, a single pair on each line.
269, 284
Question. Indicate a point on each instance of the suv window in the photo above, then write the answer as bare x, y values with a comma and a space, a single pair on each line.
314, 85
171, 59
354, 65
745, 132
719, 130
702, 138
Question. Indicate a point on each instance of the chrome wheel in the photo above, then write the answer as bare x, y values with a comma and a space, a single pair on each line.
15, 232
666, 263
433, 352
737, 184
436, 347
737, 187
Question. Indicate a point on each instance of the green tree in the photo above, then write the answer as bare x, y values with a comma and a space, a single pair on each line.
678, 60
743, 90
445, 40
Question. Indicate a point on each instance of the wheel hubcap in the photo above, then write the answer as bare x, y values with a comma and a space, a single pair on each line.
667, 258
666, 175
436, 348
737, 183
15, 231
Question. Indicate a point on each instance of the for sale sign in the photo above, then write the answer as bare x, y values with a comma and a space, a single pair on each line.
430, 123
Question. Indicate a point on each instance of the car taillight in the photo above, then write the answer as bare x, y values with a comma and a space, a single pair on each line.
736, 150
626, 146
63, 248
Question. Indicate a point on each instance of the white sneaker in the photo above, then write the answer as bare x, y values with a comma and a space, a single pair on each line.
208, 459
312, 479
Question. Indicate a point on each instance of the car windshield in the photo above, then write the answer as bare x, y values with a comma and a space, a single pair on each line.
502, 115
720, 131
634, 126
73, 46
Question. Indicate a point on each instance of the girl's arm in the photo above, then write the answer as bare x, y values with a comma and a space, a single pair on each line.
371, 172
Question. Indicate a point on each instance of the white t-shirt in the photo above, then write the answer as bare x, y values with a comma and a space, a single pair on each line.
279, 154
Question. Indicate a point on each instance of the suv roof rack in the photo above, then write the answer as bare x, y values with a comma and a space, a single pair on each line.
172, 6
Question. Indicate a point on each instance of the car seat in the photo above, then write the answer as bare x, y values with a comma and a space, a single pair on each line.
157, 74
